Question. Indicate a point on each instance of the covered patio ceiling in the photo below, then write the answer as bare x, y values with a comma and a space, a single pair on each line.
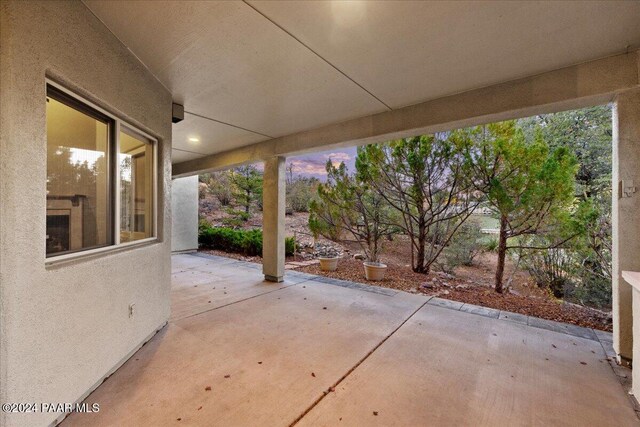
251, 71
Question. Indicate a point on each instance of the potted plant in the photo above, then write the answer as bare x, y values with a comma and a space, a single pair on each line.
349, 210
374, 227
328, 259
374, 271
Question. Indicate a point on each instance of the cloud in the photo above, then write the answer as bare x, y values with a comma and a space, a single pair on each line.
314, 164
338, 157
309, 166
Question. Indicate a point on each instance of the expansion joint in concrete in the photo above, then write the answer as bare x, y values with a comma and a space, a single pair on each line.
241, 300
354, 367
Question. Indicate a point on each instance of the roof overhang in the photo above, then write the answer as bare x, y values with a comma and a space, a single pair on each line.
257, 77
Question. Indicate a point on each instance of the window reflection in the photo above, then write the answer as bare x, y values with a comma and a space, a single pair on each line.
136, 186
78, 179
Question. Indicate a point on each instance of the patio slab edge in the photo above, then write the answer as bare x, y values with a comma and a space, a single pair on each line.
535, 322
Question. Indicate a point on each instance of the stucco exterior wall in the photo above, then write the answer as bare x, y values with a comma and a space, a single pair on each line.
184, 208
625, 220
64, 327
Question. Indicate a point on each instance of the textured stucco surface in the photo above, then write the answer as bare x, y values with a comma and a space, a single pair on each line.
635, 373
625, 218
63, 327
184, 214
273, 199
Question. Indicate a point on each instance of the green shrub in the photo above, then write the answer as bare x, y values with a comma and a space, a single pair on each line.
491, 245
202, 225
463, 247
237, 218
222, 238
300, 193
289, 246
251, 242
594, 291
551, 268
218, 185
247, 242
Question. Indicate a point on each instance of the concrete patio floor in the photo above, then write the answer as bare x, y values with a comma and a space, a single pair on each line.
240, 351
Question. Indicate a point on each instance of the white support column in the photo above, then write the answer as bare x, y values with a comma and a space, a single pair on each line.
184, 214
625, 217
273, 210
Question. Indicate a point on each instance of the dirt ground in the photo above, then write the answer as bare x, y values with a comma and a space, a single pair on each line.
472, 284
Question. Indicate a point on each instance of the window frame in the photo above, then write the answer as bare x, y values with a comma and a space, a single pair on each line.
82, 104
154, 183
66, 99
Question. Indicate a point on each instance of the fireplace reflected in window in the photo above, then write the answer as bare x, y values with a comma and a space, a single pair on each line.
58, 232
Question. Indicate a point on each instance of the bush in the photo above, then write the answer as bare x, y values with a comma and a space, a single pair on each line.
247, 242
202, 225
551, 268
491, 245
218, 185
464, 246
594, 291
289, 246
300, 193
237, 218
251, 242
222, 238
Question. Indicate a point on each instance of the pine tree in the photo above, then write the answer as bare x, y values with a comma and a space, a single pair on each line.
529, 187
247, 186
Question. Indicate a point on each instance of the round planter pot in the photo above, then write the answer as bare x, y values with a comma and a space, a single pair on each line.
374, 270
328, 264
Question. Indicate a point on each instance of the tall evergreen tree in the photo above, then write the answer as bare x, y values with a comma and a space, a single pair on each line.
588, 133
529, 187
247, 186
348, 209
425, 180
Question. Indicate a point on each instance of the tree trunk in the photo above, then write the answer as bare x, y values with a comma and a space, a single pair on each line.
422, 240
502, 253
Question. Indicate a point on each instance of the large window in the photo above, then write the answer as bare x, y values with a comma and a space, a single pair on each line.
96, 166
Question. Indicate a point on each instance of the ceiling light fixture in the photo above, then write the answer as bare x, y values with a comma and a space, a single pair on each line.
194, 139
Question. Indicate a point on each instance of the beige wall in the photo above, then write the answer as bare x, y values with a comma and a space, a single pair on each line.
64, 327
625, 217
184, 209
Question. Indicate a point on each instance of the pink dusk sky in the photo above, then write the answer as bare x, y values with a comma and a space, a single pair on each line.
313, 165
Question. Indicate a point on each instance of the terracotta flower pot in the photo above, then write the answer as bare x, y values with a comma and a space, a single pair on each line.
374, 271
328, 264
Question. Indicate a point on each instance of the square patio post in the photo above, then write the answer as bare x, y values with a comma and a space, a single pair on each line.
273, 210
625, 218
